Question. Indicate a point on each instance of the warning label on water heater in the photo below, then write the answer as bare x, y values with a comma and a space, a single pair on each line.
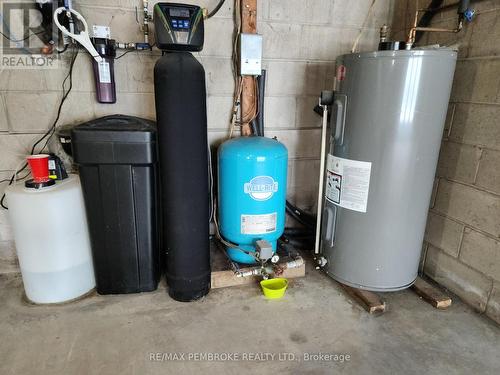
258, 224
348, 182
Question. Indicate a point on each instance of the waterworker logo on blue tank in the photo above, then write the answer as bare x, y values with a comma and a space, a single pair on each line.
261, 188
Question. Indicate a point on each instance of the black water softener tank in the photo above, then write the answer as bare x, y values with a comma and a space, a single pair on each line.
182, 134
117, 161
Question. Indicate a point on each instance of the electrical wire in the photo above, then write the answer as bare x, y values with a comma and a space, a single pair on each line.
252, 111
238, 81
256, 99
19, 179
216, 9
52, 129
226, 243
213, 212
20, 40
356, 41
62, 50
236, 105
49, 133
123, 54
236, 36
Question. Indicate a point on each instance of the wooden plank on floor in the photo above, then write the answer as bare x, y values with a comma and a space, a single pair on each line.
370, 301
431, 294
224, 276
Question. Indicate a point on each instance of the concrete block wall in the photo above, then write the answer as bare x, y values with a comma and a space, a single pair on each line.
302, 38
462, 241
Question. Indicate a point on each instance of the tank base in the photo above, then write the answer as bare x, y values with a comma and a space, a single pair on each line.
370, 288
92, 292
145, 288
189, 296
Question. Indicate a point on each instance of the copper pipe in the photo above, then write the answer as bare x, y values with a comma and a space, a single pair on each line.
437, 29
413, 31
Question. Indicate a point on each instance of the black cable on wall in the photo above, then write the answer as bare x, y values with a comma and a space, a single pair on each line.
216, 9
48, 134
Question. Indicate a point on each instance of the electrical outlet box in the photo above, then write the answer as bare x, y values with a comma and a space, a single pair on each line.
251, 54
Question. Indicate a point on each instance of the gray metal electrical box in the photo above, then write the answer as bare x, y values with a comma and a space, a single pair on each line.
387, 122
251, 54
265, 249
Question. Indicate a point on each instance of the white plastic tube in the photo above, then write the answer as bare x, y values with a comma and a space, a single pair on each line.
321, 177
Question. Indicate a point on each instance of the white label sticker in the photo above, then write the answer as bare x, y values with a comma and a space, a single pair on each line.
348, 182
258, 224
104, 72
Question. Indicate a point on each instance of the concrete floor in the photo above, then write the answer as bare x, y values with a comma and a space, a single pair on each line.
117, 334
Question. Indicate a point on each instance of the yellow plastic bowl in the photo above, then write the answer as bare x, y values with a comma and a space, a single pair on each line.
274, 288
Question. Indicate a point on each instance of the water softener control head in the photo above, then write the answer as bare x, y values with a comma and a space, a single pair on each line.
178, 27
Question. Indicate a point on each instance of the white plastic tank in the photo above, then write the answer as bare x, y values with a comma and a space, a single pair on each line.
52, 240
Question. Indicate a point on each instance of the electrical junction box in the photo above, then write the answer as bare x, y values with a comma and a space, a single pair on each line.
265, 249
251, 54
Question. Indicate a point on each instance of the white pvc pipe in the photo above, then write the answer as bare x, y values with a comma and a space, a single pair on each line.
321, 178
296, 263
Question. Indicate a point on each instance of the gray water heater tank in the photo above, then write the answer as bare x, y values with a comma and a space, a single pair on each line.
387, 123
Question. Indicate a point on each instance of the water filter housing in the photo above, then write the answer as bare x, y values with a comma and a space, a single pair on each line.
52, 240
252, 193
387, 123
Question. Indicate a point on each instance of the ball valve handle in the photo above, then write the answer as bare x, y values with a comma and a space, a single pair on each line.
469, 15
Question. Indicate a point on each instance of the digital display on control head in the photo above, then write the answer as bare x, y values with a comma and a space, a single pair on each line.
179, 12
180, 23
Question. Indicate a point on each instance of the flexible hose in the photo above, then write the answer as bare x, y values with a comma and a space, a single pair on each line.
303, 218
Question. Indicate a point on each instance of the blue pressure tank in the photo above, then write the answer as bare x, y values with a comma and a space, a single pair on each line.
252, 193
